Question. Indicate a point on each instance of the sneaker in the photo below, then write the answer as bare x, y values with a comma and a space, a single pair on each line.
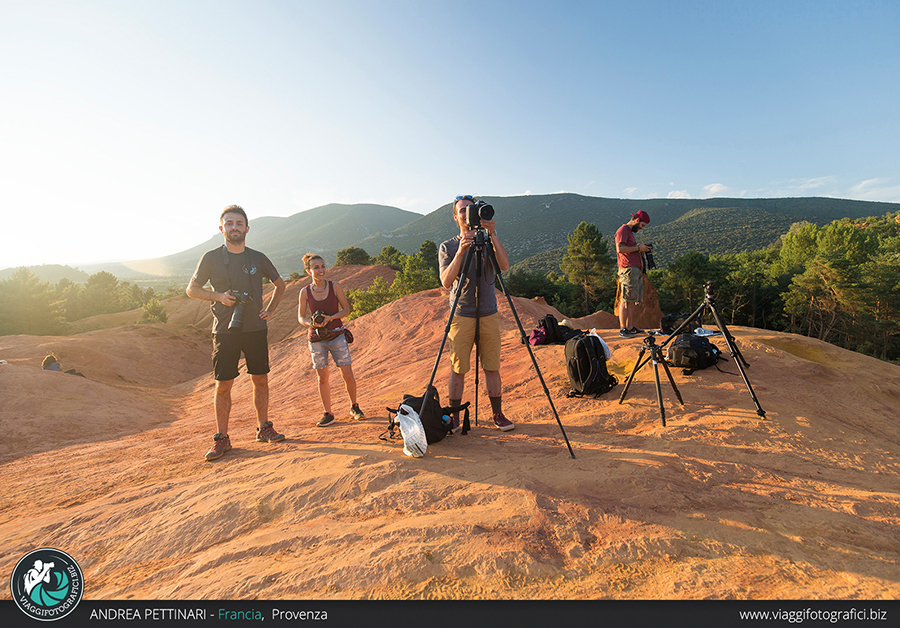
327, 419
625, 333
503, 424
222, 444
356, 413
636, 332
455, 425
267, 434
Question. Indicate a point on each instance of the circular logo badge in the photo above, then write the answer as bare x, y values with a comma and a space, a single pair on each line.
47, 584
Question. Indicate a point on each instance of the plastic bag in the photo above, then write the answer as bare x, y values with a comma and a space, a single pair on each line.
606, 350
414, 442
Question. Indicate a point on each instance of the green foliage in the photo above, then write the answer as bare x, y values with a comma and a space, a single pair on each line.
588, 264
365, 301
294, 276
555, 290
29, 305
839, 283
680, 285
416, 274
390, 256
352, 255
153, 312
429, 252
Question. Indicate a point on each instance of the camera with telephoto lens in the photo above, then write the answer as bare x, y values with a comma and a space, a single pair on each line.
648, 258
476, 212
237, 316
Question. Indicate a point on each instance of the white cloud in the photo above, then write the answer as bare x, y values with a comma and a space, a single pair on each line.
799, 187
630, 191
715, 189
876, 190
678, 194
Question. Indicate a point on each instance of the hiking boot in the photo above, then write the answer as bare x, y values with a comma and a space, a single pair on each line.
503, 424
327, 419
267, 434
356, 413
222, 444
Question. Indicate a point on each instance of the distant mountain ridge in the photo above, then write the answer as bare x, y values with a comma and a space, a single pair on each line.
528, 226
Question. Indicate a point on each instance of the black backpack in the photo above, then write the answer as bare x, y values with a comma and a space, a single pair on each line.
431, 416
551, 329
671, 322
586, 365
692, 353
556, 334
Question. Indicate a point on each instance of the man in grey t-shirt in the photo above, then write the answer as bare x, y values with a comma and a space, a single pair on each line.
451, 256
235, 268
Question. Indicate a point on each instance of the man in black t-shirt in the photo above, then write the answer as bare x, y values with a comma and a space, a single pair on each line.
236, 273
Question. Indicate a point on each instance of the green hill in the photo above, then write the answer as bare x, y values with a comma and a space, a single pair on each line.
324, 230
528, 226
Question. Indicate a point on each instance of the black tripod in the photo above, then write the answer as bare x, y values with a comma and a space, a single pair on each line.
656, 354
481, 245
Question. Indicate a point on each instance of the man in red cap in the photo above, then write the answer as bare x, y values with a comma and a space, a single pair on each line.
631, 271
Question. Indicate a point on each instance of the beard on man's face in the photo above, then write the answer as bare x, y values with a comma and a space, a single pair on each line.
635, 228
236, 237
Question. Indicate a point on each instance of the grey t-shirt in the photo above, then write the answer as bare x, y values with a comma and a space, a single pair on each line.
244, 272
486, 291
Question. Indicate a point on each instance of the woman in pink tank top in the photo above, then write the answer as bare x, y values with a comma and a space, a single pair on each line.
322, 304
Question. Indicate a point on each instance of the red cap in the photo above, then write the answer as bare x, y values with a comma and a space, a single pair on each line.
642, 216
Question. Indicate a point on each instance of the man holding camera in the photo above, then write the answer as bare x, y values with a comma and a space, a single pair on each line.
239, 322
631, 271
474, 230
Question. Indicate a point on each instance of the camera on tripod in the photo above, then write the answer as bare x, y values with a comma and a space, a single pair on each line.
476, 212
237, 316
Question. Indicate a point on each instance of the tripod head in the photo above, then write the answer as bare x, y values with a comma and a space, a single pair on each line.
481, 237
709, 289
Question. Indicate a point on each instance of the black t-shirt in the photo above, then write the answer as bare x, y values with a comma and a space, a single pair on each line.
243, 272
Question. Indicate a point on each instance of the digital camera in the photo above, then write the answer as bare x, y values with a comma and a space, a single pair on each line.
648, 258
237, 316
476, 212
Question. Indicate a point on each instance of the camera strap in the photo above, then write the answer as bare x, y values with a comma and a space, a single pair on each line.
246, 259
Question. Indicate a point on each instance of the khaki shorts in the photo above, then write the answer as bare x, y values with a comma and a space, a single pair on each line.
631, 282
462, 339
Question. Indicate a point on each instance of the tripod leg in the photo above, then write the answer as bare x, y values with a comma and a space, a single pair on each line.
459, 285
662, 408
637, 366
738, 359
672, 381
537, 369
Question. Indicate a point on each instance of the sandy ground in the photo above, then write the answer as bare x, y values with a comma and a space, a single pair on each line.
717, 505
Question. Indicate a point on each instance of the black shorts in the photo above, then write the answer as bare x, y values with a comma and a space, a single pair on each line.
227, 348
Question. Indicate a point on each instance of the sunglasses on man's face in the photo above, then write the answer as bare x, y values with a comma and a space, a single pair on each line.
467, 197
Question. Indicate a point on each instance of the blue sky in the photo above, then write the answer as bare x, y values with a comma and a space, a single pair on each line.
127, 126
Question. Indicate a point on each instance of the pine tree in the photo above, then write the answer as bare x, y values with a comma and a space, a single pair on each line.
587, 262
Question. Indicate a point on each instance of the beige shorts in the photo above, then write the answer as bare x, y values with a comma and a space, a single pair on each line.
462, 339
631, 283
